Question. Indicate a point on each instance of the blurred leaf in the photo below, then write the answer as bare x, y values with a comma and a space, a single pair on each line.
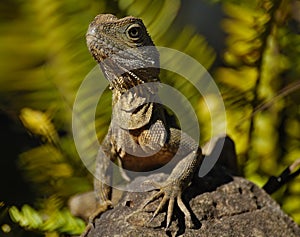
39, 123
44, 60
260, 68
61, 221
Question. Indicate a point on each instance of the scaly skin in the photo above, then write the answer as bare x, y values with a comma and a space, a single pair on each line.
142, 136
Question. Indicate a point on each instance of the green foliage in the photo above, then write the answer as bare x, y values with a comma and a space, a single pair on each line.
44, 60
58, 221
261, 75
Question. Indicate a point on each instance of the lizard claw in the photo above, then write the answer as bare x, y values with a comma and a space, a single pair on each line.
99, 210
91, 224
170, 192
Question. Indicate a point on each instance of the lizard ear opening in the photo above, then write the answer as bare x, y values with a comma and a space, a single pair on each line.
134, 32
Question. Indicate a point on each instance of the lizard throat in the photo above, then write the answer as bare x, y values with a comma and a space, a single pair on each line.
122, 79
128, 81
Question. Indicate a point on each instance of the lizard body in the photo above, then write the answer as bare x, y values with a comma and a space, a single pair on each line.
142, 135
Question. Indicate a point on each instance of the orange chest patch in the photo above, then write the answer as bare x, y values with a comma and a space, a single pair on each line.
148, 163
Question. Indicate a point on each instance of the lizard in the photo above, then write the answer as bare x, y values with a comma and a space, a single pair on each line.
142, 135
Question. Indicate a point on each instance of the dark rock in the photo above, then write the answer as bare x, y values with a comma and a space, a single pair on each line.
221, 205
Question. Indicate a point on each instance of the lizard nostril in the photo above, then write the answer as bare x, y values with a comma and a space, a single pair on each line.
91, 31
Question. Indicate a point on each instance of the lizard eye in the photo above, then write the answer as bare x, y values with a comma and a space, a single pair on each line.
134, 31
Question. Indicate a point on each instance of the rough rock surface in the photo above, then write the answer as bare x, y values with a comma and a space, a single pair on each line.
222, 205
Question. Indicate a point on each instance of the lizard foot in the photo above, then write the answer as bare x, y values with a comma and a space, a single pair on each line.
171, 192
97, 213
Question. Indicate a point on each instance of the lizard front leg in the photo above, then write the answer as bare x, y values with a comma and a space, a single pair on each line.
179, 179
102, 179
174, 186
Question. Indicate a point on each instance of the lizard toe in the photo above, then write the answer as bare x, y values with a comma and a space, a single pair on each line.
171, 193
187, 215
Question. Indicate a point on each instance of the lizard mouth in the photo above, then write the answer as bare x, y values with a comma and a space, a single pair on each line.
94, 46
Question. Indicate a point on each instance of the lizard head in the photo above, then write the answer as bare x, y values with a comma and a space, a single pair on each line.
124, 50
